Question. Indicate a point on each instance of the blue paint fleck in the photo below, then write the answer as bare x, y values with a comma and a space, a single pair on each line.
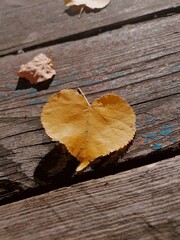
2, 95
178, 87
36, 102
119, 74
138, 122
166, 130
113, 84
165, 127
173, 140
66, 80
178, 107
157, 146
29, 90
151, 119
87, 83
19, 91
55, 83
175, 69
152, 135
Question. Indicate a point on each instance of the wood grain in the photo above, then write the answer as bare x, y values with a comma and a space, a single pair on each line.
143, 203
25, 24
142, 67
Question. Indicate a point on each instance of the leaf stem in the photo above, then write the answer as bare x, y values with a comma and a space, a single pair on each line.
80, 91
81, 11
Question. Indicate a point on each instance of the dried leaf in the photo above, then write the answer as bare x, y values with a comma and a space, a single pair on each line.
88, 131
38, 70
89, 3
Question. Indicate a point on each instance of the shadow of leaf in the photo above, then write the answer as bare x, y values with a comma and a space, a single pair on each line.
9, 188
23, 83
57, 167
75, 10
109, 162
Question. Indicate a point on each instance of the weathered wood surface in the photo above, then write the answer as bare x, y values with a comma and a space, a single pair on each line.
25, 24
140, 63
143, 203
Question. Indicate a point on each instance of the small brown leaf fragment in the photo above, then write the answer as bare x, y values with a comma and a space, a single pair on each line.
37, 70
88, 130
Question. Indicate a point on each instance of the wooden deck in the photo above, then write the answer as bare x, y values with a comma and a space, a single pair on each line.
131, 48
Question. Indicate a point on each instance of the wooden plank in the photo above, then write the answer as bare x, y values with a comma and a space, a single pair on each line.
143, 203
24, 24
142, 67
123, 61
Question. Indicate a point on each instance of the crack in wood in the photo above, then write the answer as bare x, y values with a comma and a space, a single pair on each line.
86, 176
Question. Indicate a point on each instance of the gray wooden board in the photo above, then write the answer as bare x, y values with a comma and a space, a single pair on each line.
28, 23
143, 203
140, 63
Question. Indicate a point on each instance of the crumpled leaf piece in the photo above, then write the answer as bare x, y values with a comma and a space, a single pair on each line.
88, 131
93, 4
37, 70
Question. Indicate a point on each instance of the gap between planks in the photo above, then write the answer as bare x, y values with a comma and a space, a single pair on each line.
13, 191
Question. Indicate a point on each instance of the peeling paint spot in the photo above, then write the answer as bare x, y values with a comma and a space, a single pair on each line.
29, 90
151, 119
19, 91
175, 69
66, 80
173, 140
157, 146
2, 95
178, 107
113, 84
166, 130
55, 83
119, 74
36, 102
152, 135
138, 122
165, 127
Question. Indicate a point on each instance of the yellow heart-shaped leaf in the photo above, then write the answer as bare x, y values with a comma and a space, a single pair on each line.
88, 131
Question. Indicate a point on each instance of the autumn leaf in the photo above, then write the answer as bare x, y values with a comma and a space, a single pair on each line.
88, 130
37, 70
89, 3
